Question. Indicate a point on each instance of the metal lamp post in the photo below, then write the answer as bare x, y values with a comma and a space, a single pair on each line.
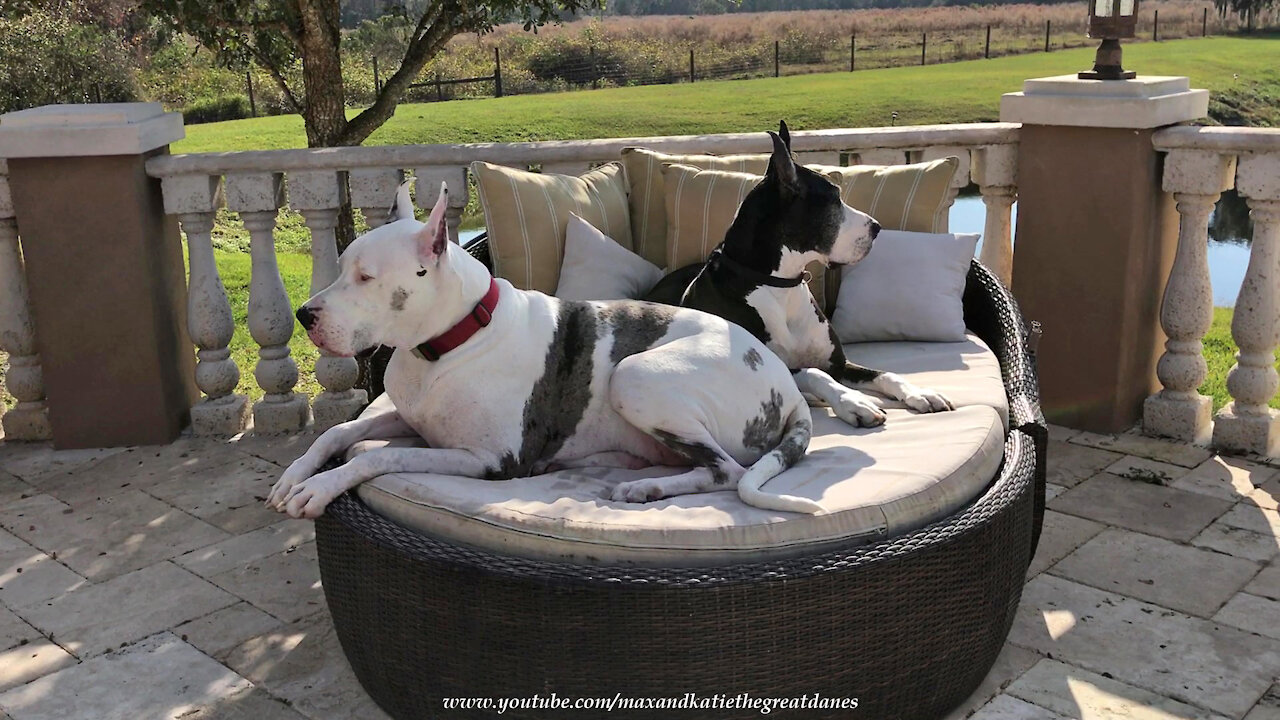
1111, 20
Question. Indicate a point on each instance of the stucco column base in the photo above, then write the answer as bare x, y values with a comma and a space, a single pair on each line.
104, 269
1186, 419
27, 424
1247, 432
223, 417
272, 417
1096, 238
330, 409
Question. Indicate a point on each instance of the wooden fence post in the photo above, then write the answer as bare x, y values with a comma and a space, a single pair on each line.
253, 106
595, 72
691, 73
776, 64
853, 51
377, 79
1204, 24
1048, 24
1155, 27
924, 43
439, 88
497, 72
987, 53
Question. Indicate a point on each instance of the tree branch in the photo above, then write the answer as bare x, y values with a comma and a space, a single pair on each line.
278, 76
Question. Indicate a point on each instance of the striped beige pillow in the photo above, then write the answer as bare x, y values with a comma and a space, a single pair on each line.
648, 209
526, 214
701, 204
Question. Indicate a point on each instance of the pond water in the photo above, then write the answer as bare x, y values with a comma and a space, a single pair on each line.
1229, 233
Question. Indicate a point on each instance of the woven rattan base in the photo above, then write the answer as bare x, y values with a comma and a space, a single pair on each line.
909, 626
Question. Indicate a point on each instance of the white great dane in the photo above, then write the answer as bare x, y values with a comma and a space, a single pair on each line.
505, 383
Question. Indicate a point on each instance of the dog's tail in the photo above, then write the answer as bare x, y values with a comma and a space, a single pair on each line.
795, 440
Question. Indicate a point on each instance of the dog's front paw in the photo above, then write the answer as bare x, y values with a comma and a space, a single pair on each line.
309, 498
296, 473
926, 401
638, 491
858, 409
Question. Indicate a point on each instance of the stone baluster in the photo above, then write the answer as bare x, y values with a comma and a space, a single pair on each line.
373, 190
317, 195
258, 197
995, 169
428, 186
195, 199
1196, 178
1247, 423
959, 181
29, 418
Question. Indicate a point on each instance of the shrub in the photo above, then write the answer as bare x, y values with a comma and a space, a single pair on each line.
216, 109
48, 58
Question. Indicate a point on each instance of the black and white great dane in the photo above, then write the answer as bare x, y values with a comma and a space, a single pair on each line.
756, 279
504, 383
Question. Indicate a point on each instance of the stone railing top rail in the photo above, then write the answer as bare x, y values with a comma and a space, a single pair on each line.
1224, 139
407, 156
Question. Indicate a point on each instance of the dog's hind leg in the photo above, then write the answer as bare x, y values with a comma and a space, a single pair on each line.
599, 460
714, 468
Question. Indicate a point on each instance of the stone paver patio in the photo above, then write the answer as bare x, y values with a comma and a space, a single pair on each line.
150, 583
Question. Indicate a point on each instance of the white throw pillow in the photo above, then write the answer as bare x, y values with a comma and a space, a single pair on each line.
597, 268
909, 287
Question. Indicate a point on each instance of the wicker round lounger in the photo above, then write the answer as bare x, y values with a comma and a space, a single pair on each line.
910, 625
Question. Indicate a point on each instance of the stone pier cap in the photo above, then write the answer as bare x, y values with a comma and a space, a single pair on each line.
1147, 101
113, 129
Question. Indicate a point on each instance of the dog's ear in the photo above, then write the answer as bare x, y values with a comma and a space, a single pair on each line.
402, 208
784, 133
434, 236
781, 166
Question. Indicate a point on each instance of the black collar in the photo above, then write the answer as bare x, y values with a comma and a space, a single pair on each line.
719, 258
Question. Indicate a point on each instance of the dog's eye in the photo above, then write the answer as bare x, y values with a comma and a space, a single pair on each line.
364, 277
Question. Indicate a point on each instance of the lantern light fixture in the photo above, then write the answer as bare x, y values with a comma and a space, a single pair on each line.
1111, 20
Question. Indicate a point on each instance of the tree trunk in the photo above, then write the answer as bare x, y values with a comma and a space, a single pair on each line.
324, 112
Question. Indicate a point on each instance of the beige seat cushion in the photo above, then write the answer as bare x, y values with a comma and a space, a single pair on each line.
873, 482
701, 204
527, 213
647, 192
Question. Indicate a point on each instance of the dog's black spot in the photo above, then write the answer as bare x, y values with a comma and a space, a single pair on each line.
762, 431
795, 442
422, 272
559, 398
636, 326
397, 299
697, 453
753, 359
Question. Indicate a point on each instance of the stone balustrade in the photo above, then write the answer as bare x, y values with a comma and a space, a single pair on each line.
29, 418
1200, 164
316, 183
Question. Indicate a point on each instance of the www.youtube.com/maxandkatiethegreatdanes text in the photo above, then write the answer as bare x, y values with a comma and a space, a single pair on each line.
688, 701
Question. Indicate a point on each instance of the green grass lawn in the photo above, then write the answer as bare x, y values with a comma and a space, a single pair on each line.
957, 92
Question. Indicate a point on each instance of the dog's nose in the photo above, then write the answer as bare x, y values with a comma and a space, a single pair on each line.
875, 229
307, 317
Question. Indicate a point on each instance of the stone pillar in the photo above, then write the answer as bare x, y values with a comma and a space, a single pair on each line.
104, 269
1096, 238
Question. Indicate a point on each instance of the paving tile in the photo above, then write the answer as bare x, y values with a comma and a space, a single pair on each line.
1267, 496
136, 468
1006, 707
1052, 491
1179, 577
1228, 478
303, 664
284, 584
228, 496
1145, 470
1009, 665
1142, 446
1267, 583
1059, 536
220, 631
279, 449
28, 575
13, 630
251, 704
9, 541
1251, 517
1062, 433
12, 488
159, 678
97, 618
1238, 542
242, 550
1189, 659
1069, 465
1250, 612
32, 460
1152, 509
107, 539
1268, 708
22, 664
1075, 693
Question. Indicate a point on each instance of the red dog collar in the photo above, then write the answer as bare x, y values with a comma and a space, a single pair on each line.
479, 317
